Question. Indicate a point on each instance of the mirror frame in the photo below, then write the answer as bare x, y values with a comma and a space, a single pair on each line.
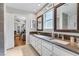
41, 23
55, 18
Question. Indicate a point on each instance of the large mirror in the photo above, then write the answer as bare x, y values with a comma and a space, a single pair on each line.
40, 23
66, 17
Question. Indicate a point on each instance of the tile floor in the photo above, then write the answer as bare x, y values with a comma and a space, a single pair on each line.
25, 50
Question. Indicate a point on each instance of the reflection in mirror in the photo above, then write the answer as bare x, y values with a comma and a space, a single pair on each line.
40, 23
67, 17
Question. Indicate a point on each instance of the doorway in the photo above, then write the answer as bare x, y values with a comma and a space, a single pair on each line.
19, 31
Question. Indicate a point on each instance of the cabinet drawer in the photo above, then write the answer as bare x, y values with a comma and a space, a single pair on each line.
39, 42
62, 52
46, 52
38, 49
48, 45
32, 40
33, 44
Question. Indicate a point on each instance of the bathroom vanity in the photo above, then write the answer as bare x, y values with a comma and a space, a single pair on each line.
64, 39
47, 46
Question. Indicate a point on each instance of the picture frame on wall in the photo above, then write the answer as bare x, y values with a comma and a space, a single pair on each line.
33, 23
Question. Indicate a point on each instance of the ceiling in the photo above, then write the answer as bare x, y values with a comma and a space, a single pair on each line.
29, 7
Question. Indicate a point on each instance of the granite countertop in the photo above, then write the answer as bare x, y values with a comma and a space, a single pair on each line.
74, 48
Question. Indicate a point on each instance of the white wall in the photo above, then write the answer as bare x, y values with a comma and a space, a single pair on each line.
9, 29
30, 17
9, 41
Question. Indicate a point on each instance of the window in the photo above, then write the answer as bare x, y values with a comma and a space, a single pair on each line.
48, 20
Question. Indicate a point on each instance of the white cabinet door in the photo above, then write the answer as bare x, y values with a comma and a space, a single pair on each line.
48, 45
32, 40
38, 45
38, 48
62, 52
46, 52
47, 48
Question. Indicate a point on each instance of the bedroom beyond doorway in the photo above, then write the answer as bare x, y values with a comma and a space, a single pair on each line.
19, 31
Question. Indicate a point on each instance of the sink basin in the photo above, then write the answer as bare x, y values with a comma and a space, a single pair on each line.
60, 41
54, 40
41, 36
